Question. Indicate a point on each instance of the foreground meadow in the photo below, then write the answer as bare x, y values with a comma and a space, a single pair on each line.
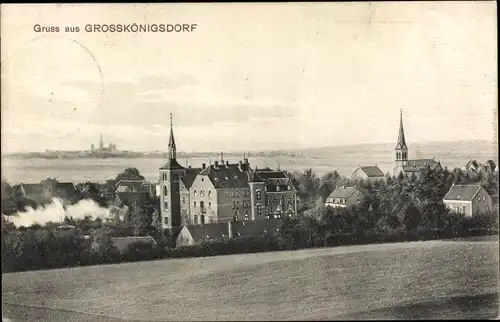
432, 279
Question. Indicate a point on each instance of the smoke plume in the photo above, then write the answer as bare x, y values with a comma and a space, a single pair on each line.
55, 212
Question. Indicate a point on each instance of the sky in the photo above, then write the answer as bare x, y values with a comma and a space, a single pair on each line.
254, 76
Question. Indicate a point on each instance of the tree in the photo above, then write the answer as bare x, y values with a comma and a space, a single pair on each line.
411, 217
129, 174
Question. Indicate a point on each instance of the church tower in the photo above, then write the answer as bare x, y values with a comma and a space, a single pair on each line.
401, 148
170, 174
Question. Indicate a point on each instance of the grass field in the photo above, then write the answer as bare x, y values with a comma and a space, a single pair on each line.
434, 279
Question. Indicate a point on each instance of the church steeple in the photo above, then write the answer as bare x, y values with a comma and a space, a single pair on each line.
401, 148
401, 137
172, 150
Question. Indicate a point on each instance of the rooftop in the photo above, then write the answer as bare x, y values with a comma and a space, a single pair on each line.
462, 192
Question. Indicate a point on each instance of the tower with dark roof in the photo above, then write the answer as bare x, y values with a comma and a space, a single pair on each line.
401, 148
170, 176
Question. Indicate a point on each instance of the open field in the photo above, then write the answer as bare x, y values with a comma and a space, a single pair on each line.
432, 279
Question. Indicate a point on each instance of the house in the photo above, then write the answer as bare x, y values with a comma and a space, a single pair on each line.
134, 186
475, 169
468, 199
121, 243
344, 197
403, 164
193, 234
370, 173
42, 193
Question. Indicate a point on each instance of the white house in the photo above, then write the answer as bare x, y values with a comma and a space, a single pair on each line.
469, 199
344, 197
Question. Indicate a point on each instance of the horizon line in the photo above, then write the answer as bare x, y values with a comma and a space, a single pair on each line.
261, 151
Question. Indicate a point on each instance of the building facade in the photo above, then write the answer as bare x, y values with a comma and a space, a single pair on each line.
469, 199
404, 165
221, 192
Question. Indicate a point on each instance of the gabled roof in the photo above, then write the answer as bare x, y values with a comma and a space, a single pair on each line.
191, 174
31, 188
121, 243
417, 164
133, 186
226, 176
372, 171
344, 192
66, 186
272, 180
462, 192
255, 228
208, 231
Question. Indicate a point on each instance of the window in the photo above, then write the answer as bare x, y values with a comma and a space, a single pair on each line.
247, 217
277, 188
237, 193
232, 193
194, 204
237, 205
183, 199
165, 220
259, 210
209, 204
165, 190
194, 192
258, 194
209, 193
195, 219
202, 207
463, 209
202, 219
235, 217
202, 179
166, 205
234, 204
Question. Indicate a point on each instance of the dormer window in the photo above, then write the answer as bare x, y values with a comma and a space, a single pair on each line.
227, 178
259, 195
194, 192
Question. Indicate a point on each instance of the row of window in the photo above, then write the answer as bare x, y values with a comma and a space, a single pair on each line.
401, 155
246, 204
237, 215
202, 193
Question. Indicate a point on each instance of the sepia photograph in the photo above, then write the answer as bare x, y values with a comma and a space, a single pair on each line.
249, 161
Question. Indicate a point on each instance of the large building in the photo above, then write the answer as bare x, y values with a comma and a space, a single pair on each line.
221, 192
409, 166
343, 197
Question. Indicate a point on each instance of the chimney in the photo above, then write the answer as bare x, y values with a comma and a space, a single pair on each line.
230, 229
216, 164
227, 163
203, 166
240, 165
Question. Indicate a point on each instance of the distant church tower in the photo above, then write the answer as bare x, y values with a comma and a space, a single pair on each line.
101, 143
401, 148
170, 174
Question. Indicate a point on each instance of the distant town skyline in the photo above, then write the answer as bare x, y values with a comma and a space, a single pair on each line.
250, 77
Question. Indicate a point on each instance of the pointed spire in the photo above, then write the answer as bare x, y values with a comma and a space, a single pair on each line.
401, 137
172, 150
